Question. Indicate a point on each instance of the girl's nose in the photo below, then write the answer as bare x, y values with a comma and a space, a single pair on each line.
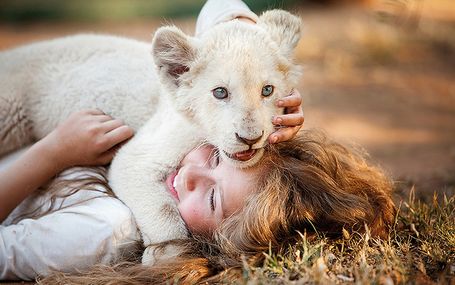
197, 177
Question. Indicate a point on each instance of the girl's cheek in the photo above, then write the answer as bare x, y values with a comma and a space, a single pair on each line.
197, 221
196, 216
189, 214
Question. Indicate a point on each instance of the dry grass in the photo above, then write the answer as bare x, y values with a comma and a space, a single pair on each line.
420, 250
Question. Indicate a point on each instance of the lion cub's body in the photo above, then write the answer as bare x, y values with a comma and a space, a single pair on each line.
41, 84
170, 83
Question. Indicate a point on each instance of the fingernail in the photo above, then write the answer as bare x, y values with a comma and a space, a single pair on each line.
273, 139
278, 120
280, 103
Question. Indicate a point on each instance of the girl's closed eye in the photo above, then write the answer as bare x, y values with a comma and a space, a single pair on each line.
212, 200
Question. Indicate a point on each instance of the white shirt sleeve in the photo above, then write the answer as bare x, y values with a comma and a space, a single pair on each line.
67, 240
217, 11
91, 228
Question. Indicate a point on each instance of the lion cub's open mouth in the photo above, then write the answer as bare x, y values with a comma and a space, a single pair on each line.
242, 155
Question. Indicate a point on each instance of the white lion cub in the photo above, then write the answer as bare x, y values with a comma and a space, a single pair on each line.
219, 89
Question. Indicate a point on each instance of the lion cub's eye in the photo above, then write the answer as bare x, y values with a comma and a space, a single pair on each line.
267, 90
220, 93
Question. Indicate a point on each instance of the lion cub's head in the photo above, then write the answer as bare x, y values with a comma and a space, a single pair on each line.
228, 80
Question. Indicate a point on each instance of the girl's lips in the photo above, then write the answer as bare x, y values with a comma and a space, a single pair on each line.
170, 185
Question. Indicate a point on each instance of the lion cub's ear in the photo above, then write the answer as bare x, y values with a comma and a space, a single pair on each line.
283, 27
173, 53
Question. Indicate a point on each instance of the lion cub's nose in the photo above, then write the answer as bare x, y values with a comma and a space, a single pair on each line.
249, 142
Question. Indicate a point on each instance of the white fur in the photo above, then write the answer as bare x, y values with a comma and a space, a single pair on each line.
50, 80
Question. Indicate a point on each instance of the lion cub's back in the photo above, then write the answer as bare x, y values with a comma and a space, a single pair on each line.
61, 76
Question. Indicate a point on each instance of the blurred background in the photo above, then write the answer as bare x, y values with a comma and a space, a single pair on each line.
379, 74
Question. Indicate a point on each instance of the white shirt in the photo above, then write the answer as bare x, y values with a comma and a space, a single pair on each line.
90, 228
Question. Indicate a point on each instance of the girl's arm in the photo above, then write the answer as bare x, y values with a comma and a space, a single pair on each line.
86, 138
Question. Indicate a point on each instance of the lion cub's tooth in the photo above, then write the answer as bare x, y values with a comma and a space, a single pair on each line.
174, 183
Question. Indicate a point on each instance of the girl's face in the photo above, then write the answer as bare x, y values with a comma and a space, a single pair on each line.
207, 189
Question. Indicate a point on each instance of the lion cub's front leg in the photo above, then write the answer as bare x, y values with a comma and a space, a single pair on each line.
138, 173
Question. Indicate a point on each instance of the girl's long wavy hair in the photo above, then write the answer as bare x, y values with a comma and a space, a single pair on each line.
308, 184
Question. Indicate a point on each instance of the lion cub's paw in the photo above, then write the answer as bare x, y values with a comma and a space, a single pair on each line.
153, 254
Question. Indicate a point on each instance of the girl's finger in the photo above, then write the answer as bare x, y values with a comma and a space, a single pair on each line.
110, 125
292, 100
100, 118
283, 134
93, 112
118, 135
107, 156
289, 120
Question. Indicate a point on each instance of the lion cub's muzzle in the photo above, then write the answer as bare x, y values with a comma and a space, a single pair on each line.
248, 141
246, 154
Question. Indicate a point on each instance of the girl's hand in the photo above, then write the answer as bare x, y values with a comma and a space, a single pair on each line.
87, 137
290, 123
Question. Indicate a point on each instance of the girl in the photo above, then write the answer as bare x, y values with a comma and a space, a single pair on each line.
306, 184
73, 229
85, 138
